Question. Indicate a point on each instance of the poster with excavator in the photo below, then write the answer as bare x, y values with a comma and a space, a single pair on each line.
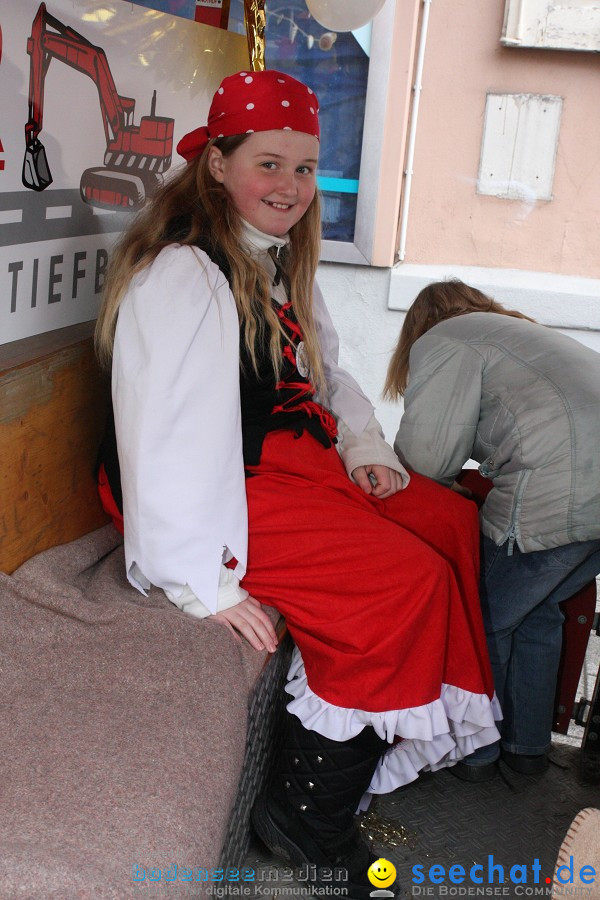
94, 98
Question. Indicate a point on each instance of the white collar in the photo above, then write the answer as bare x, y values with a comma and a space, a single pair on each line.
259, 242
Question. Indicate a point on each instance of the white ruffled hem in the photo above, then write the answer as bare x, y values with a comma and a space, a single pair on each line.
435, 735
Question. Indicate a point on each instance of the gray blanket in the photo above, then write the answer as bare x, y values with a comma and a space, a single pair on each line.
123, 731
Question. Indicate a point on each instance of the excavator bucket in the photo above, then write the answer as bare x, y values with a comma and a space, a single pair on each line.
36, 173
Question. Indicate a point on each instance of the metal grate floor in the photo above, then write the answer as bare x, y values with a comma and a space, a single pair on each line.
442, 820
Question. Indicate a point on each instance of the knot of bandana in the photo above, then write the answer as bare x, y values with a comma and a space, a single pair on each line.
255, 101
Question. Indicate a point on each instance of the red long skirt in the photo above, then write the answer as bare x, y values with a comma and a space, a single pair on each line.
380, 596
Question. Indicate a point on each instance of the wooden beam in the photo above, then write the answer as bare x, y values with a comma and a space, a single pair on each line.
53, 404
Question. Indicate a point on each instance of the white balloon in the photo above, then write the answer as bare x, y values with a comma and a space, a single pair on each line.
344, 15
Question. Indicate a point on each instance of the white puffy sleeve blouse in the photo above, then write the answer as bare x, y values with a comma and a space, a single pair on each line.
175, 387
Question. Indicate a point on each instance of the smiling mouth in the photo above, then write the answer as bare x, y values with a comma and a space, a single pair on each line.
283, 206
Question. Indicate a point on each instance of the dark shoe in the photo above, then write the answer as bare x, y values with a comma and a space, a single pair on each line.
525, 764
474, 774
323, 780
344, 862
307, 814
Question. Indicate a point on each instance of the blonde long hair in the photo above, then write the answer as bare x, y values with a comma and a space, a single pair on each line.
435, 303
192, 206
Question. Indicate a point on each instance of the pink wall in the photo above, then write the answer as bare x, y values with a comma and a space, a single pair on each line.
449, 222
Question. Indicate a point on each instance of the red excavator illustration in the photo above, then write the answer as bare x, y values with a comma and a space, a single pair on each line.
135, 156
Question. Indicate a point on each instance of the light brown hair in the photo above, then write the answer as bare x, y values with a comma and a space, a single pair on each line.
191, 206
437, 302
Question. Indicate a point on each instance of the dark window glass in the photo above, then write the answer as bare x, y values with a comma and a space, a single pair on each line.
336, 67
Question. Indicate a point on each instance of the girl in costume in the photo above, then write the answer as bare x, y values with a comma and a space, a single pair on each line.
253, 472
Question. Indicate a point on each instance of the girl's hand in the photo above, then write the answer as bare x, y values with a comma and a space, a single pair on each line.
455, 486
249, 620
381, 481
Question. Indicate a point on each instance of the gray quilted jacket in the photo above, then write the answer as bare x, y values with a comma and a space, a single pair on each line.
522, 400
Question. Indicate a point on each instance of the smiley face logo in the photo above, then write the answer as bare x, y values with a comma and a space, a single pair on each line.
381, 873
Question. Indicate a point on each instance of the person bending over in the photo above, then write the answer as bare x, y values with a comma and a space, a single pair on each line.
484, 382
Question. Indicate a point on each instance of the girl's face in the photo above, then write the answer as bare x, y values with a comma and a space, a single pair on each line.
271, 178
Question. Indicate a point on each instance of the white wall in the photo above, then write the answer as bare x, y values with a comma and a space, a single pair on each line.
359, 300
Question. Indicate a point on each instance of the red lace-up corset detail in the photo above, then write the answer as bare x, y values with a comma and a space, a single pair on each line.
269, 405
304, 390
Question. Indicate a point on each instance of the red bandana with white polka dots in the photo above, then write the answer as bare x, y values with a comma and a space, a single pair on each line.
255, 101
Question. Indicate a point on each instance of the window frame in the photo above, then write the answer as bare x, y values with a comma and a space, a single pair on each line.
388, 100
522, 27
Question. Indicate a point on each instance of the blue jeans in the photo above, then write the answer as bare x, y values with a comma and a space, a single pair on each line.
520, 596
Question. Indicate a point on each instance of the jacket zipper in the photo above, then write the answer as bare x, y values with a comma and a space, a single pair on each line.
511, 541
512, 534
